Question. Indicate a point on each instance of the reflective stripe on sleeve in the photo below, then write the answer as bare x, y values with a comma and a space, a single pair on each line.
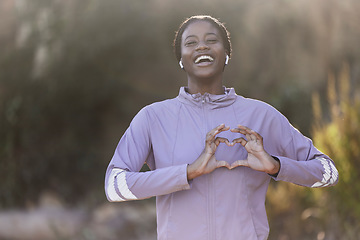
117, 188
330, 174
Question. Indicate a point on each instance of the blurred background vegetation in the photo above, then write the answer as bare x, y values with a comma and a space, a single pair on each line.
73, 74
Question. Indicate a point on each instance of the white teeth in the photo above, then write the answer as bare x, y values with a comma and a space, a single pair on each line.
203, 57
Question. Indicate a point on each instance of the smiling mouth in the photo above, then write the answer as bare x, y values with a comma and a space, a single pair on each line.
204, 58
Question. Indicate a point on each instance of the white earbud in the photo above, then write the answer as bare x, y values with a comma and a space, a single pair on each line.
181, 65
227, 59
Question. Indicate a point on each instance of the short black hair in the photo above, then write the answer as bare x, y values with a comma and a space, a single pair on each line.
225, 35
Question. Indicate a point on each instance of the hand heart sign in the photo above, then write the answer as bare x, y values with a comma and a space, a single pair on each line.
258, 159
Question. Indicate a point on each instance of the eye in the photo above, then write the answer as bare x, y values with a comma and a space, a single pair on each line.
212, 40
190, 43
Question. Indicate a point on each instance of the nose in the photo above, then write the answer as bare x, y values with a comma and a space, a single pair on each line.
202, 46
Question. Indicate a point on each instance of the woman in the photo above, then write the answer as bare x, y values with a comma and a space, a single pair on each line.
211, 152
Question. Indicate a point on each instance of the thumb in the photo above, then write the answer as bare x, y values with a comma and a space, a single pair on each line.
222, 164
241, 140
238, 163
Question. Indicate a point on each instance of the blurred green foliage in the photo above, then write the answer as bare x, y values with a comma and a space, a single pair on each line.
325, 213
340, 138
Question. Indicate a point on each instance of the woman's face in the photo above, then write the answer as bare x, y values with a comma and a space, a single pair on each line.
202, 50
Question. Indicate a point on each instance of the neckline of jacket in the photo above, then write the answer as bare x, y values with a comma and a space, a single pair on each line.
210, 100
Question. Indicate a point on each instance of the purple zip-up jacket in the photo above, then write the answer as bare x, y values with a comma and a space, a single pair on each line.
225, 204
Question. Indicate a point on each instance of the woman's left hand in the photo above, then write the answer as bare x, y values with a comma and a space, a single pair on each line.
258, 159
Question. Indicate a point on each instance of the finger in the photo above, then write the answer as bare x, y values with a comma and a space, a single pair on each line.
241, 129
238, 130
249, 137
257, 135
219, 140
241, 140
238, 163
212, 134
222, 164
248, 132
244, 127
222, 128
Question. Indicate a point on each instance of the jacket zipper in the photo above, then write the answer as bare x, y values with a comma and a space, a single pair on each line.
210, 183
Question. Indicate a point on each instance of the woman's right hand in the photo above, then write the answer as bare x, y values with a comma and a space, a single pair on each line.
206, 162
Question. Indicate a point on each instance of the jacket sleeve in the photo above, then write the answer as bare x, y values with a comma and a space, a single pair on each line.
124, 182
301, 162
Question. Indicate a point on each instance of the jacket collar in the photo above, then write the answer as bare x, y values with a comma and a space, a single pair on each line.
210, 100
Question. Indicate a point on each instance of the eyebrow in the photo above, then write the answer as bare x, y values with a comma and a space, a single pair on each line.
196, 36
